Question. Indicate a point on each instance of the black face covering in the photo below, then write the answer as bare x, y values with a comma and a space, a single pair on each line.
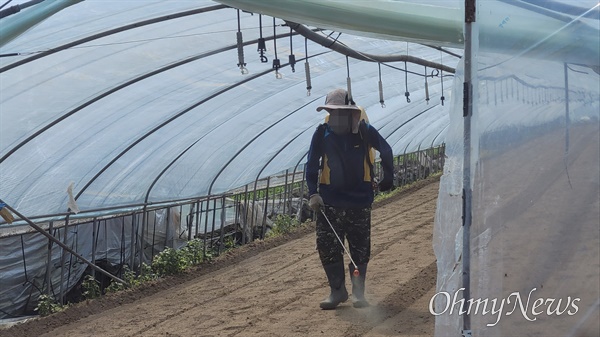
340, 122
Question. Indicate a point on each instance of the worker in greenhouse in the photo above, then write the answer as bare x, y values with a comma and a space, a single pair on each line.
341, 187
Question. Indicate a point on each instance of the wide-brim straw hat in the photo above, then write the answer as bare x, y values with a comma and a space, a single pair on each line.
338, 99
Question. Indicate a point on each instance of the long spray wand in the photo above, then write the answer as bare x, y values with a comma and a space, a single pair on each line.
356, 273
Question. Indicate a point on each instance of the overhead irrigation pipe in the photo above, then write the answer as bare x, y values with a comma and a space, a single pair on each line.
340, 48
62, 245
14, 26
113, 90
120, 86
186, 110
17, 8
116, 30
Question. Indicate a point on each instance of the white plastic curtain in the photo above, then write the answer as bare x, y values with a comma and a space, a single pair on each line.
534, 243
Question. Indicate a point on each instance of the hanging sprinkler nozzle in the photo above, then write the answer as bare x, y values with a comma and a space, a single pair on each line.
262, 45
292, 57
426, 87
276, 62
240, 48
381, 101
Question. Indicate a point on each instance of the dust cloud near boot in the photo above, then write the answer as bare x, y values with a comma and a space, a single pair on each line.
358, 286
336, 277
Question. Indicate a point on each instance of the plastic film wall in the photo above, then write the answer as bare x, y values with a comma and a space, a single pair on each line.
534, 253
159, 110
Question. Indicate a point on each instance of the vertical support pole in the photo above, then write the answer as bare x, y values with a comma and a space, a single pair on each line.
94, 244
214, 215
141, 237
245, 226
419, 164
272, 199
222, 218
470, 11
153, 236
178, 233
423, 163
205, 226
237, 218
62, 261
254, 217
49, 261
133, 244
168, 224
405, 164
303, 182
285, 191
290, 194
264, 222
122, 245
105, 238
431, 152
443, 156
198, 215
191, 218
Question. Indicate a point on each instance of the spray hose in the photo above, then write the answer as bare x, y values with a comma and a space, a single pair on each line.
356, 273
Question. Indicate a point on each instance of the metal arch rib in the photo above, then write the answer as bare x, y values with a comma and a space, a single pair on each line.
435, 138
119, 87
122, 86
190, 146
410, 142
410, 119
281, 149
111, 32
158, 127
253, 139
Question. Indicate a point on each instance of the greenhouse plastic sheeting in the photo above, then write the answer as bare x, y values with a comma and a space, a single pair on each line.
107, 242
535, 131
161, 111
533, 153
534, 239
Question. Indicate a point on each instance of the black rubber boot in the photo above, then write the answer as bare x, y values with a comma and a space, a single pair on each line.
336, 277
358, 286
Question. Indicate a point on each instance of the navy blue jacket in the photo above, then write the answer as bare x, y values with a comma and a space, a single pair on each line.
345, 178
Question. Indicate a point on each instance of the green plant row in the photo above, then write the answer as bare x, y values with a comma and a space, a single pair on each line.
273, 191
283, 223
168, 262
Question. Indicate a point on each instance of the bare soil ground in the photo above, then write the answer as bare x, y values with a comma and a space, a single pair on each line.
273, 288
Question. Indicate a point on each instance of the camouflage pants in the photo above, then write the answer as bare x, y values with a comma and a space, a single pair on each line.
352, 224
